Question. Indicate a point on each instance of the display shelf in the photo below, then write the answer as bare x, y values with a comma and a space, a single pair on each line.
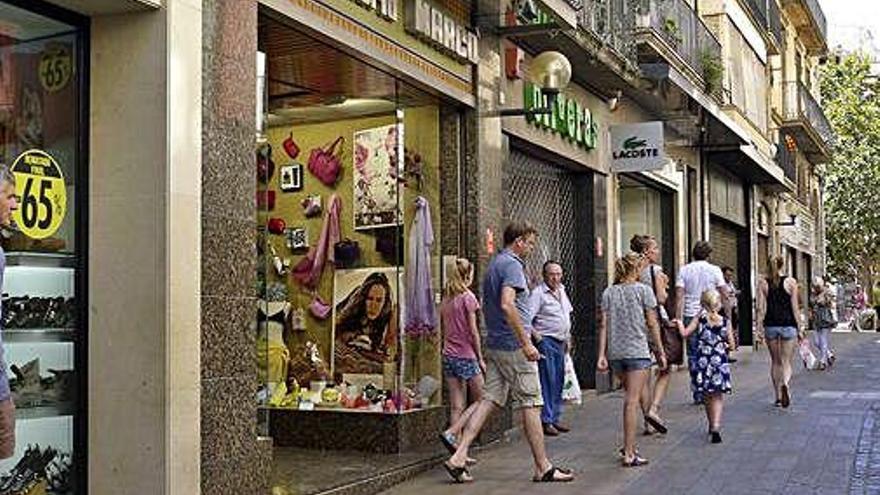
22, 335
50, 260
50, 411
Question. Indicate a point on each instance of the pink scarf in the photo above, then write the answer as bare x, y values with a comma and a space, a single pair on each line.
308, 271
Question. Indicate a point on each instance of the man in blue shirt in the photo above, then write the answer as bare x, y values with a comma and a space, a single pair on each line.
511, 358
8, 204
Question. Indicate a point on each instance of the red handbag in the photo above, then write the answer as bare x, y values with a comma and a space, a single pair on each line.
276, 225
290, 147
325, 163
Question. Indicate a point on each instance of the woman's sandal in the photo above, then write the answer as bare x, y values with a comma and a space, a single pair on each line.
635, 462
550, 476
622, 453
458, 474
656, 424
448, 441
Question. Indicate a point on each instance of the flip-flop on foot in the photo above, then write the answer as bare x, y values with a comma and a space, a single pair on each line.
551, 476
458, 474
634, 462
656, 424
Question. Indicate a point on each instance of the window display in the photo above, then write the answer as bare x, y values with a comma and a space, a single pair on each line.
349, 180
40, 140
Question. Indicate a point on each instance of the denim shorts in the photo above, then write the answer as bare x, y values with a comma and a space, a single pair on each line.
629, 364
784, 333
461, 368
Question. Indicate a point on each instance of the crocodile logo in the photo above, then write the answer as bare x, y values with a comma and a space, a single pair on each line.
634, 142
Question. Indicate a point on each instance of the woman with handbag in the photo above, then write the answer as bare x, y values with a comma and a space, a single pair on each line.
824, 321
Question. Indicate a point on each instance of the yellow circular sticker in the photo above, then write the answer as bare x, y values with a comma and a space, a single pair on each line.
56, 67
40, 186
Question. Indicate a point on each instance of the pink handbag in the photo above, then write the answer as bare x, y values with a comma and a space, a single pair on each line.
325, 163
319, 308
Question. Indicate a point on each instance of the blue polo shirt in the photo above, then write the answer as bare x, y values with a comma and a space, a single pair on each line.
505, 270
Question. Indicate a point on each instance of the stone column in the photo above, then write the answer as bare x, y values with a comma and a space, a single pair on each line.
233, 460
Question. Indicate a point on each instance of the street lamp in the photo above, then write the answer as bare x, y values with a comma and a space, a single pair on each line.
550, 71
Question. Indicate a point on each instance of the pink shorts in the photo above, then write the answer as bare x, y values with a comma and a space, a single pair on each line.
7, 429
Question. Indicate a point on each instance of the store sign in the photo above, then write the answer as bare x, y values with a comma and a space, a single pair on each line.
40, 185
570, 119
637, 147
432, 24
386, 9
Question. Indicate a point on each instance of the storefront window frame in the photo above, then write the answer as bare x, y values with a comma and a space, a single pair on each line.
82, 30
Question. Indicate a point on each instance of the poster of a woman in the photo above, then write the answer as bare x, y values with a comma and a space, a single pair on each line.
365, 319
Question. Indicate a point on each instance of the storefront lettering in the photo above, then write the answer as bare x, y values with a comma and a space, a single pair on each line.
569, 118
387, 9
637, 147
435, 26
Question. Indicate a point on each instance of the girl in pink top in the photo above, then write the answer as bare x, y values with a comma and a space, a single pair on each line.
463, 364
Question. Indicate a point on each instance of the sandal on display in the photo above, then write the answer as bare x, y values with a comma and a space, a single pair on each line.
551, 476
458, 474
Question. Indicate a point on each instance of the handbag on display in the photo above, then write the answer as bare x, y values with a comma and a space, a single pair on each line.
325, 163
319, 308
266, 200
290, 147
265, 165
276, 225
311, 206
346, 253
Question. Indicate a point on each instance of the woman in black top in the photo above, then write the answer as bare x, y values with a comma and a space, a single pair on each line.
779, 315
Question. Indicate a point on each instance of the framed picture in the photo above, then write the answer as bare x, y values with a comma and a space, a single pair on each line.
297, 238
376, 173
291, 177
366, 319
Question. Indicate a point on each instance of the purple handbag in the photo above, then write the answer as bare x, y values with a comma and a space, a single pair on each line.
325, 163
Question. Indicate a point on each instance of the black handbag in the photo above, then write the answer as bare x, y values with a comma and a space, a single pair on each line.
346, 253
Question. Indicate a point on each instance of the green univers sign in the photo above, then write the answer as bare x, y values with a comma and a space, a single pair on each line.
569, 119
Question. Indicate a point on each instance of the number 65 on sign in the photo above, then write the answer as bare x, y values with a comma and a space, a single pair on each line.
40, 185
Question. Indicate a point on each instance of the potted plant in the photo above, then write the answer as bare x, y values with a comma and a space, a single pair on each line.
713, 70
670, 27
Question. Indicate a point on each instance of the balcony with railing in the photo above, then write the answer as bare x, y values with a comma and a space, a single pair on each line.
672, 27
785, 156
807, 122
607, 20
809, 20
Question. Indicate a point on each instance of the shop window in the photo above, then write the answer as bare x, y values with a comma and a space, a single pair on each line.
42, 324
349, 232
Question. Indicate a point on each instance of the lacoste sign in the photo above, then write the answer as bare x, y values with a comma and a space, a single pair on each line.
637, 147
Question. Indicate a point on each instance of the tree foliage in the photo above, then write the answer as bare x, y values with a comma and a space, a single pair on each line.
852, 179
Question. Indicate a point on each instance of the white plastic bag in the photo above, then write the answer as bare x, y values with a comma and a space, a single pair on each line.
571, 389
807, 355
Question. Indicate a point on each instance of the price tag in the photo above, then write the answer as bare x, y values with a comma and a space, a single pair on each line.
56, 67
40, 186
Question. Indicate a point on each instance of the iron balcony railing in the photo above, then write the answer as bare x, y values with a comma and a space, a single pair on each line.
674, 21
800, 105
608, 21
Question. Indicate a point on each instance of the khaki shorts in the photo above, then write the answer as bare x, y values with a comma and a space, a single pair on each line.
7, 429
510, 373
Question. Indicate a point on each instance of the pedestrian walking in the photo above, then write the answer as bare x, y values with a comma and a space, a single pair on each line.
653, 276
627, 316
697, 277
710, 373
823, 320
779, 310
733, 295
511, 358
550, 311
463, 363
8, 204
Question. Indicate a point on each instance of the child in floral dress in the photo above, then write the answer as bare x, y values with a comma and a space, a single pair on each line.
710, 374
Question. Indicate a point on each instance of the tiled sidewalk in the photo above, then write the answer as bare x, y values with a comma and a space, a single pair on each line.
827, 442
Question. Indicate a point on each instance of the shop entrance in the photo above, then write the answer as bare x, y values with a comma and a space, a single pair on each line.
730, 247
350, 245
557, 201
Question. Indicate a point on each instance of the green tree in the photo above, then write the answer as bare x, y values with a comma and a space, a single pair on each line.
852, 178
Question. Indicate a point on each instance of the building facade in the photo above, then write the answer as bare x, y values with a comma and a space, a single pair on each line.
215, 156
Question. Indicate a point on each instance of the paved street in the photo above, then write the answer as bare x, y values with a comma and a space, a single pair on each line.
827, 442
